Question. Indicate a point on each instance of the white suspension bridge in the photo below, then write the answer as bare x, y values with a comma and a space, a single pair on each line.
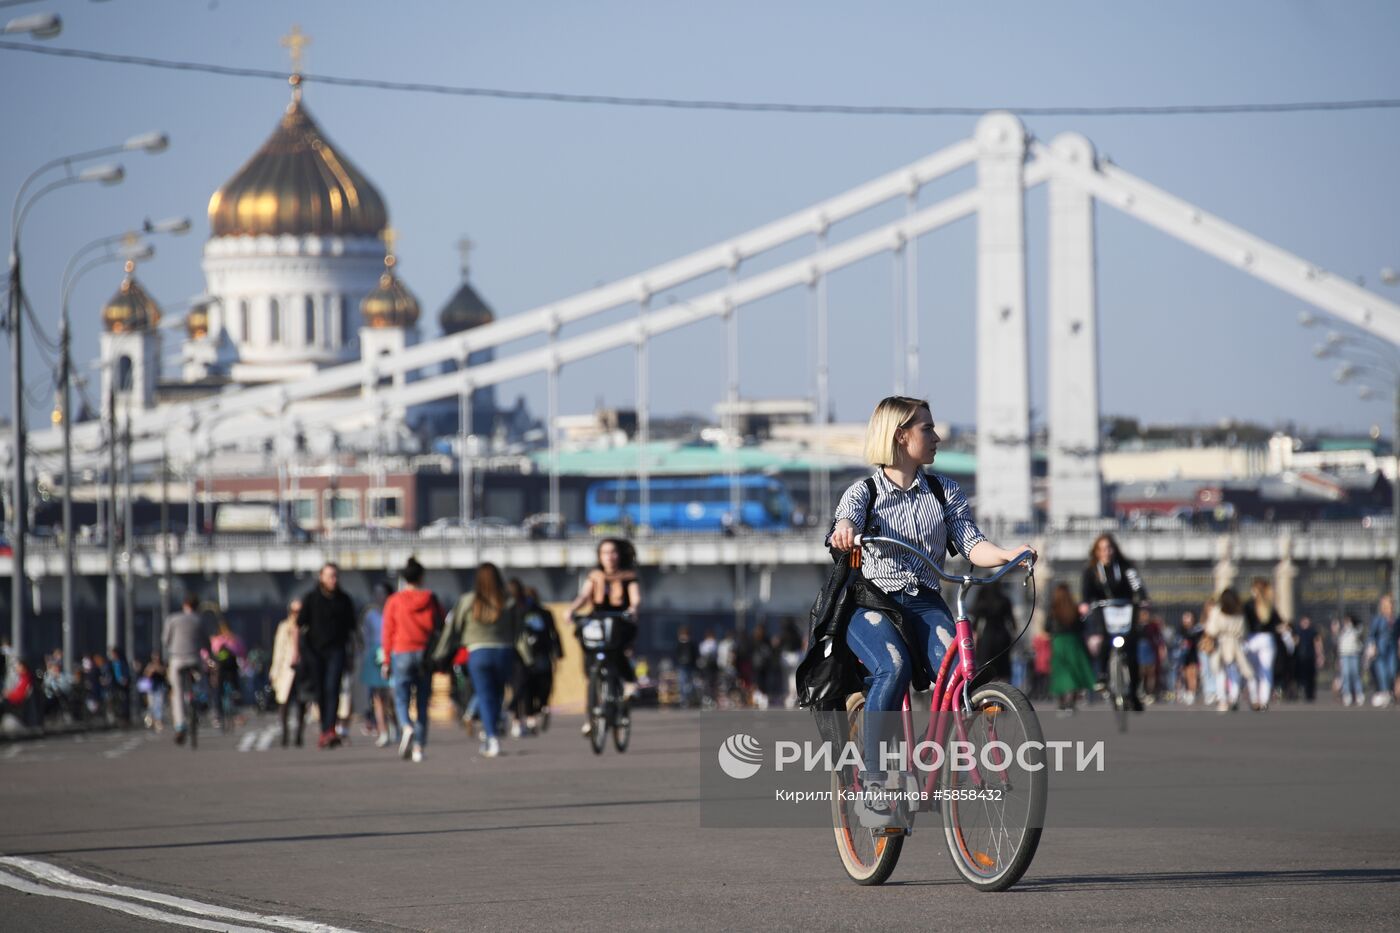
1007, 162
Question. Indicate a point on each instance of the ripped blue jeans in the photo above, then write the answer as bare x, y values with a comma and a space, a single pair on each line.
877, 644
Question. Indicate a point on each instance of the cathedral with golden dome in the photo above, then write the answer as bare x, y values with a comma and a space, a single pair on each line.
301, 274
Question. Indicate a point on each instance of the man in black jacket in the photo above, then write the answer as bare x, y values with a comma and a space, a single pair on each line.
327, 624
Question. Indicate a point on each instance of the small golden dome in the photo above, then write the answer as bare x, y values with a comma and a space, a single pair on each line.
297, 184
131, 308
390, 305
197, 322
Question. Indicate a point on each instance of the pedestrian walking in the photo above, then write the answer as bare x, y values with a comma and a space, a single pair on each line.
487, 623
1350, 642
1189, 659
537, 650
372, 665
327, 624
155, 685
793, 648
1205, 654
1307, 658
1380, 645
282, 672
412, 617
992, 620
1070, 669
687, 660
1261, 646
1227, 626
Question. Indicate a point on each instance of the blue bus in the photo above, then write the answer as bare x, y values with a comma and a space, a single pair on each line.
691, 504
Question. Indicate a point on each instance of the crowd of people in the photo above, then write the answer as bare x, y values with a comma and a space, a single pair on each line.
98, 690
496, 641
1234, 651
501, 647
735, 669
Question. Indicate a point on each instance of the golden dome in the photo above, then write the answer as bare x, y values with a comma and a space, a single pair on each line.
131, 308
389, 305
297, 184
197, 322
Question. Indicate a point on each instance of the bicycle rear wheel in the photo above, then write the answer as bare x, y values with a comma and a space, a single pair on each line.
1119, 687
993, 835
869, 856
598, 710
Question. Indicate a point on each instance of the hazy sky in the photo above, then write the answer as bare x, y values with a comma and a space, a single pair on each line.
562, 197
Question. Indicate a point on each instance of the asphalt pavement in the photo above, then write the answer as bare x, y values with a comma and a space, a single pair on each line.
243, 834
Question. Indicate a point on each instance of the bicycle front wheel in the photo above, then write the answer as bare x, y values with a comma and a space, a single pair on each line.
1119, 686
996, 808
192, 718
868, 855
598, 711
622, 725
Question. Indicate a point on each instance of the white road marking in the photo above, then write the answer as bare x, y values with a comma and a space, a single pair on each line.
92, 892
12, 751
147, 913
269, 735
128, 746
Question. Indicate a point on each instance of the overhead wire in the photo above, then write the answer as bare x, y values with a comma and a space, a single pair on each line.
673, 103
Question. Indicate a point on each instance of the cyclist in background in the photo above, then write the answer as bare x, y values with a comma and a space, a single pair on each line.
1110, 575
226, 654
900, 440
612, 589
183, 641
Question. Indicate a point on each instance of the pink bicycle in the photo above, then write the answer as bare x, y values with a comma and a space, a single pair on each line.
994, 809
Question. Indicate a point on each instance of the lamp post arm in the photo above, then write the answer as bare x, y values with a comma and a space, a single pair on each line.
67, 162
17, 217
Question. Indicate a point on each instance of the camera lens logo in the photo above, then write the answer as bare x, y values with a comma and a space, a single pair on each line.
740, 756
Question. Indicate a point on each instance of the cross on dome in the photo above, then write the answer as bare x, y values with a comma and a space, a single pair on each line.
295, 42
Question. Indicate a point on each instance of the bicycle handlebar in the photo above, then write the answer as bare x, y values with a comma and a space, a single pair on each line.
1027, 556
966, 581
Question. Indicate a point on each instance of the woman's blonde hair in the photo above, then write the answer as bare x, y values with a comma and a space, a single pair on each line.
893, 413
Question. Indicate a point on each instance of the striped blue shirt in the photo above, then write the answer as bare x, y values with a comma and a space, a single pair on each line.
913, 516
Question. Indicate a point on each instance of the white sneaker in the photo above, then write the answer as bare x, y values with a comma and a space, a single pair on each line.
515, 730
417, 754
1378, 700
492, 749
587, 727
383, 740
405, 743
1346, 700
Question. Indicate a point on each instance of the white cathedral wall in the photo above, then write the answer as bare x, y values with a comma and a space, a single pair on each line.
252, 276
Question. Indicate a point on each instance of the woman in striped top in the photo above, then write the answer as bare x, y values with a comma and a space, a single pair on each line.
900, 440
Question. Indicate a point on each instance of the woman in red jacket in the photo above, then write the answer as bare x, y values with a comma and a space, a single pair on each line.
410, 617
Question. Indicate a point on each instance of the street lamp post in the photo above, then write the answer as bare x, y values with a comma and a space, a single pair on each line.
105, 174
70, 279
